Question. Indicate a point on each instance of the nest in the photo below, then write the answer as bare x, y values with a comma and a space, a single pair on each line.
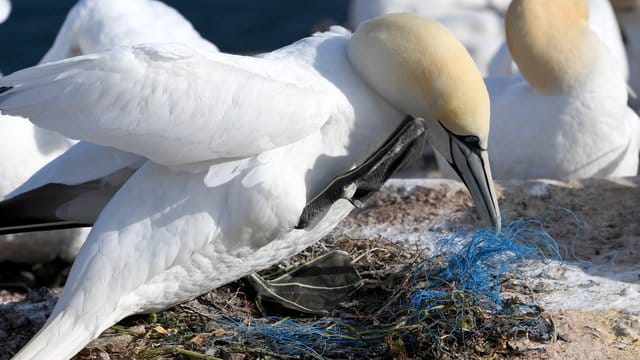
447, 306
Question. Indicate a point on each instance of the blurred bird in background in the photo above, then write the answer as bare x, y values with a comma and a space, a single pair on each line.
91, 26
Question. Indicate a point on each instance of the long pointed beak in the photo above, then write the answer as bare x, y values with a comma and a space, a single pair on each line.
471, 162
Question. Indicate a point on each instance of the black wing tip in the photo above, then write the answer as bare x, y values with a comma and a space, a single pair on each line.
45, 226
4, 89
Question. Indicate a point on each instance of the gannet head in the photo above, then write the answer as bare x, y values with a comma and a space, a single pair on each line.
419, 67
550, 41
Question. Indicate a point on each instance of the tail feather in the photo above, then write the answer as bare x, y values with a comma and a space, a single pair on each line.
44, 208
60, 339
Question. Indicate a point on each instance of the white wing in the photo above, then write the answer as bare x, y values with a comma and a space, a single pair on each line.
5, 10
82, 163
172, 104
74, 187
20, 155
95, 25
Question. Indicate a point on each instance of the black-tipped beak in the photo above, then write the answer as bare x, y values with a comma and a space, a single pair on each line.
471, 162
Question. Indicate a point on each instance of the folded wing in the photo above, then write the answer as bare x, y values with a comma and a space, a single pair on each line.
172, 104
70, 191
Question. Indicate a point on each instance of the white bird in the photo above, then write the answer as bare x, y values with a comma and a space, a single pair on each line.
22, 153
23, 150
228, 151
5, 10
96, 25
628, 13
566, 116
91, 26
478, 24
602, 21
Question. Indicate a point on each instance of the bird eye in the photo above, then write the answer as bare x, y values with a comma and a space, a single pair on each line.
471, 139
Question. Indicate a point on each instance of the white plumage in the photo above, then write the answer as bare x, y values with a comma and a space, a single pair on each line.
96, 25
602, 21
24, 149
580, 126
90, 27
628, 13
478, 24
5, 10
228, 150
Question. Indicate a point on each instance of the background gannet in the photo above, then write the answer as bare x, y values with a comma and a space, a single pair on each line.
96, 25
22, 153
91, 26
602, 21
628, 13
5, 10
568, 117
232, 148
23, 150
478, 24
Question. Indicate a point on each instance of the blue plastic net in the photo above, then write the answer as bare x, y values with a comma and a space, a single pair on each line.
316, 339
476, 262
440, 300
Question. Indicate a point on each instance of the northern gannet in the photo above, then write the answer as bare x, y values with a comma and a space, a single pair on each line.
602, 21
206, 161
5, 10
566, 116
628, 13
91, 26
97, 25
23, 150
478, 24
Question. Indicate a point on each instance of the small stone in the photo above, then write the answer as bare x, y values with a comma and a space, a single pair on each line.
522, 346
237, 356
111, 343
621, 331
567, 337
541, 287
621, 345
627, 326
138, 329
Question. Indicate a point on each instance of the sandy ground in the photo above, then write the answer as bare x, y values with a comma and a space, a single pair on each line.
593, 296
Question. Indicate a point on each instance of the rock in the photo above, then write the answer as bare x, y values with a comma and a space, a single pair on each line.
627, 326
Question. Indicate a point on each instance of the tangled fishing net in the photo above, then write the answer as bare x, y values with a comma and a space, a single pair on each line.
447, 305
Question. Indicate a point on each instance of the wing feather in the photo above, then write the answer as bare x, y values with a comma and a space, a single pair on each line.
172, 104
82, 163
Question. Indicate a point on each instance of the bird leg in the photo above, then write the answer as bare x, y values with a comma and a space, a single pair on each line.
401, 147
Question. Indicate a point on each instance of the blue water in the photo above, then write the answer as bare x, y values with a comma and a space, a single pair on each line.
233, 25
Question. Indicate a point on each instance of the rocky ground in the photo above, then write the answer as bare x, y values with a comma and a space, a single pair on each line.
592, 296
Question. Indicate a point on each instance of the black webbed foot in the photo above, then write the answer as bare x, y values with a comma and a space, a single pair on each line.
359, 184
313, 288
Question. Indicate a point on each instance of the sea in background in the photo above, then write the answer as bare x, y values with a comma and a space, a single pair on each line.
236, 26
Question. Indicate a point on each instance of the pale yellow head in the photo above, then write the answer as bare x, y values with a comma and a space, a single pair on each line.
423, 70
550, 41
